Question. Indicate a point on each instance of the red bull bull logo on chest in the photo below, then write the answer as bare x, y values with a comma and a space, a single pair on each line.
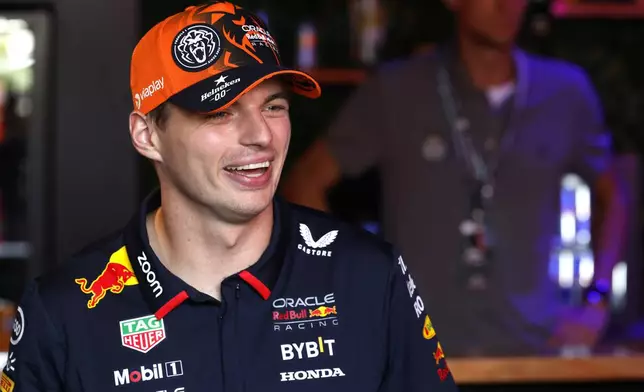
117, 274
322, 311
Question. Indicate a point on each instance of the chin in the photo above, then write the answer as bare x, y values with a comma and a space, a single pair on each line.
242, 198
247, 205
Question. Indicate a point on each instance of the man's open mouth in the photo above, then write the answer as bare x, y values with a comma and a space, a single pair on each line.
251, 170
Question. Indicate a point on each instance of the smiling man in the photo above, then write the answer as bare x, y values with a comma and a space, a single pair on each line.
215, 284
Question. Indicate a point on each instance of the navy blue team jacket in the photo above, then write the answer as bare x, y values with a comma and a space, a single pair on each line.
328, 307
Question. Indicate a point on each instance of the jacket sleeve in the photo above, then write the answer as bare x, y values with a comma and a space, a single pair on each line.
592, 142
36, 355
416, 359
356, 135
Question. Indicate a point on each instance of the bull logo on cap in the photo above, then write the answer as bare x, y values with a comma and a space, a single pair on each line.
196, 47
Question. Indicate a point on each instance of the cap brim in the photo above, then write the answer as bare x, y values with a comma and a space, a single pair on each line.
222, 90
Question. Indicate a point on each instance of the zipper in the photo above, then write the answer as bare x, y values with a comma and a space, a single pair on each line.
238, 353
222, 339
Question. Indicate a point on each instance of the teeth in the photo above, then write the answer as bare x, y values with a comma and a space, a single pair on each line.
252, 166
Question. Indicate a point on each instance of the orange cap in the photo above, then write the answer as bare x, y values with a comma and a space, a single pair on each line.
206, 57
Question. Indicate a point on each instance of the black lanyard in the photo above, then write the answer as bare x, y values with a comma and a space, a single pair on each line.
482, 170
477, 251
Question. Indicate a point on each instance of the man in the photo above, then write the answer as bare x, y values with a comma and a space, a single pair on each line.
215, 285
471, 142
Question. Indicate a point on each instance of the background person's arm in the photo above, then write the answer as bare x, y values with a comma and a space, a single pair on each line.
352, 145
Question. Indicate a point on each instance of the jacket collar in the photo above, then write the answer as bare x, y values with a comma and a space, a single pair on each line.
164, 291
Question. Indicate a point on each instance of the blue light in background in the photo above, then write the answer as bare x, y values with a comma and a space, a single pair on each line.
572, 263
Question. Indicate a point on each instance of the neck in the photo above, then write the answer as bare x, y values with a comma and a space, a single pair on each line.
487, 65
201, 248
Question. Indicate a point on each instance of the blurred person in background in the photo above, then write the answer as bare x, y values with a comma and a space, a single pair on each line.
471, 142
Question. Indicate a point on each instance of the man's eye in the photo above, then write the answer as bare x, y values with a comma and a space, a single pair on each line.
277, 108
218, 115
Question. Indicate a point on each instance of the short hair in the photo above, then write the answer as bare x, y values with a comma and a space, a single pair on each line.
159, 115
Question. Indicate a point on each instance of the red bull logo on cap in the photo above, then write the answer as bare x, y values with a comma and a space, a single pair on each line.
117, 274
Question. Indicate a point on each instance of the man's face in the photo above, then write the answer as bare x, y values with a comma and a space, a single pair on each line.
494, 22
230, 161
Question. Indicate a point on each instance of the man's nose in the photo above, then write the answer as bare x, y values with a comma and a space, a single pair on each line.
255, 130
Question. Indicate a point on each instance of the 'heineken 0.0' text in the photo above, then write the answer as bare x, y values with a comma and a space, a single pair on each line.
143, 333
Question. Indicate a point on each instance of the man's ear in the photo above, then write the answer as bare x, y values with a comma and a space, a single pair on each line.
144, 140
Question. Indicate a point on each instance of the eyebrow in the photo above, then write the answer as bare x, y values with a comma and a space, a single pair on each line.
279, 95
